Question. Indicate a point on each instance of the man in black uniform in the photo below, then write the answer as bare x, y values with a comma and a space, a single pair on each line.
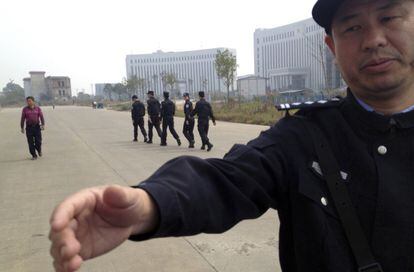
167, 116
154, 110
204, 112
188, 126
367, 138
137, 114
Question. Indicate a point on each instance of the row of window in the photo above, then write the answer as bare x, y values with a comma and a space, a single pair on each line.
173, 59
277, 37
193, 73
312, 28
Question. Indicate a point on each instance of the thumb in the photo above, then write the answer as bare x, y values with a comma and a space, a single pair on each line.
118, 197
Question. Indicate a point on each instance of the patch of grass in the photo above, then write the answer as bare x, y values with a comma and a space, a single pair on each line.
257, 113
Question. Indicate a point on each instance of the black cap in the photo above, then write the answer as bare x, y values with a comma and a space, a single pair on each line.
324, 11
186, 94
166, 94
150, 92
134, 97
201, 94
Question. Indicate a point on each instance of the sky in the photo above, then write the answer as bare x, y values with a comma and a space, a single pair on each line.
89, 40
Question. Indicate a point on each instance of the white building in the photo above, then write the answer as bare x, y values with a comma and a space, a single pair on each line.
194, 70
295, 57
251, 86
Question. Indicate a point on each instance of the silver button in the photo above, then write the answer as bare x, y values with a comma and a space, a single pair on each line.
382, 150
324, 201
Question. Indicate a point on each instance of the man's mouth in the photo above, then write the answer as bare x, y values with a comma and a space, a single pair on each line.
378, 65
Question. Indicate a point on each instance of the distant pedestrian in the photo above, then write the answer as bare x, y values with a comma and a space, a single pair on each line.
33, 117
204, 112
167, 116
137, 114
154, 110
188, 127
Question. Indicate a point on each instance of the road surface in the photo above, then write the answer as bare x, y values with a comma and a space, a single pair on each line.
85, 147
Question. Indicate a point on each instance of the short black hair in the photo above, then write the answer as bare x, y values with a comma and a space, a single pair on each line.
134, 97
30, 97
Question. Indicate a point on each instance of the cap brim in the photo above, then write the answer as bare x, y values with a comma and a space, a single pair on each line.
324, 11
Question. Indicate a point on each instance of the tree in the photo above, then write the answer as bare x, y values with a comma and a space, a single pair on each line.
170, 81
108, 89
12, 94
226, 66
119, 89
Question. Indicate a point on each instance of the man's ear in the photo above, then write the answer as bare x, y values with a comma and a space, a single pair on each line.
330, 43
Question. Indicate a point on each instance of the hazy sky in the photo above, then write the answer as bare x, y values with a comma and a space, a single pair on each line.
88, 40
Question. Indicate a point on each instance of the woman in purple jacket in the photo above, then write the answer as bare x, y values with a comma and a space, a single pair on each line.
33, 116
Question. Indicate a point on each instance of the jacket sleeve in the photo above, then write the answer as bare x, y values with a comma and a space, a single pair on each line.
196, 195
195, 111
211, 113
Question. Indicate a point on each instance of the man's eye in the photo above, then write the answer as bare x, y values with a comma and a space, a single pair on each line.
388, 18
353, 28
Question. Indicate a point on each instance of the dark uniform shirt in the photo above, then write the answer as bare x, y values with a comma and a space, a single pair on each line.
188, 109
154, 107
138, 110
276, 170
203, 110
167, 108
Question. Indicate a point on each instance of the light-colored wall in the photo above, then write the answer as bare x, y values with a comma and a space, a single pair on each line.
296, 50
190, 68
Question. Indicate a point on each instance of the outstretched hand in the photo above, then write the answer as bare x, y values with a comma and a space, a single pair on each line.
96, 220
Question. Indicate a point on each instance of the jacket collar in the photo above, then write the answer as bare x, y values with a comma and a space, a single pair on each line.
374, 120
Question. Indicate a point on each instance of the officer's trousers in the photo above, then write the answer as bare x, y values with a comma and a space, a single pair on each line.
168, 122
203, 125
154, 123
188, 129
139, 122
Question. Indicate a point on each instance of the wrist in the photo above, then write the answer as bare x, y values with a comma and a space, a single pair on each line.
148, 218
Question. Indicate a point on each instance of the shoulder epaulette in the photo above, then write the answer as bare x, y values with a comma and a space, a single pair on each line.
309, 104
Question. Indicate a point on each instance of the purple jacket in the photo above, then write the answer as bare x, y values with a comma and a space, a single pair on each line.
32, 116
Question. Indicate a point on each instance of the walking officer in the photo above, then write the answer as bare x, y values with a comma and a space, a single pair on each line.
154, 110
204, 112
339, 173
35, 122
188, 127
167, 116
137, 114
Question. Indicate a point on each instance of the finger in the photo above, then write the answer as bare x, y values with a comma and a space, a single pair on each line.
74, 264
64, 245
71, 207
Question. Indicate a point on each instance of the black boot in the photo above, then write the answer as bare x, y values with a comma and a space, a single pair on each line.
191, 144
149, 142
163, 144
203, 147
145, 139
209, 146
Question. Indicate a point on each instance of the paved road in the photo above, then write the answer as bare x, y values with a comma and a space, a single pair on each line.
85, 147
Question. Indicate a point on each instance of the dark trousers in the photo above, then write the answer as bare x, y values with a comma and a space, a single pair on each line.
34, 139
139, 122
203, 125
188, 129
168, 122
155, 123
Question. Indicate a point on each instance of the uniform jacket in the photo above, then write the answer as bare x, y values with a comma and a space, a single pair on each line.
203, 110
154, 107
277, 170
167, 108
138, 110
188, 109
